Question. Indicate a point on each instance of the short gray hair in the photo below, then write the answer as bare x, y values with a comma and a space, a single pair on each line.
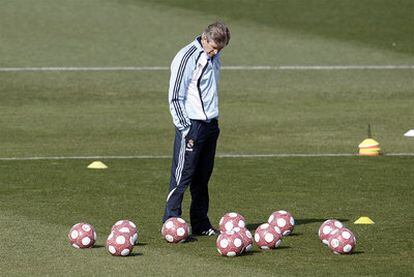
218, 32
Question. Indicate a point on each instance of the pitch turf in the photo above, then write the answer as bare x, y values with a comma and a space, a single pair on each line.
40, 200
262, 112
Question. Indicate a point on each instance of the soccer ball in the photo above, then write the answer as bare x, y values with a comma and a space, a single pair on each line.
231, 220
120, 244
342, 241
82, 235
283, 220
327, 228
246, 236
175, 229
268, 236
126, 226
230, 244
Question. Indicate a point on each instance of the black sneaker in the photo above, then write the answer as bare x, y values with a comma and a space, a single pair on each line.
208, 232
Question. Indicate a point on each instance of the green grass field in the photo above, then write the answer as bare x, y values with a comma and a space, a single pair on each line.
125, 113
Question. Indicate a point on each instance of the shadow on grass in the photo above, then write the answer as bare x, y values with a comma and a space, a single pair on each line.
282, 247
253, 226
252, 252
295, 234
190, 239
98, 246
141, 244
135, 254
259, 251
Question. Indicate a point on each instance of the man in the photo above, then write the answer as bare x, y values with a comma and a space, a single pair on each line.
193, 99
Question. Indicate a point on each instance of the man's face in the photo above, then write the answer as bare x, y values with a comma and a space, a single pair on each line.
210, 47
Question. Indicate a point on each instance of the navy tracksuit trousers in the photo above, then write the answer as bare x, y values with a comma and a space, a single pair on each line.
192, 166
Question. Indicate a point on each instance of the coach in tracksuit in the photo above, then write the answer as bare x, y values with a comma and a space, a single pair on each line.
193, 99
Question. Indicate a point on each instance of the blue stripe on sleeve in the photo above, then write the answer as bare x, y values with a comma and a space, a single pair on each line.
177, 84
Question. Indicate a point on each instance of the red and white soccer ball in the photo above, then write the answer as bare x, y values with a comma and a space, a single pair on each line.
268, 236
82, 235
284, 220
327, 228
175, 229
126, 226
230, 244
120, 244
342, 241
246, 236
230, 221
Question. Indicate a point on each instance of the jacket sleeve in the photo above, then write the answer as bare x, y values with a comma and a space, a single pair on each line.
181, 73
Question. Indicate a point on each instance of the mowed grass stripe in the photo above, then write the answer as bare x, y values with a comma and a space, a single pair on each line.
47, 197
281, 155
40, 242
234, 67
51, 113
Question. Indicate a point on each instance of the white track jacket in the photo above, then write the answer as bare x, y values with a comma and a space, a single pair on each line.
193, 90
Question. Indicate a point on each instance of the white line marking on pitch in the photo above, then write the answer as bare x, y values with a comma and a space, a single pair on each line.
254, 67
168, 157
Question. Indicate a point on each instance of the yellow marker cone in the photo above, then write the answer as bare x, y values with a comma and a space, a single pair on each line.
97, 165
369, 143
364, 220
369, 147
